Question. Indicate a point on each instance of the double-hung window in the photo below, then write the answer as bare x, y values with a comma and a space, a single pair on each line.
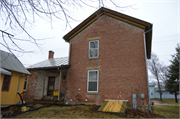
94, 49
6, 83
92, 81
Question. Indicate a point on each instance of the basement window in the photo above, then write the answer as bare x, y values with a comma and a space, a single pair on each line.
94, 49
92, 81
6, 83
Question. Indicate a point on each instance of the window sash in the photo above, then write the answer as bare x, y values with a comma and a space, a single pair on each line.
96, 48
6, 83
91, 82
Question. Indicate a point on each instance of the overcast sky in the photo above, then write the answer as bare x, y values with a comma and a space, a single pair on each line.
163, 14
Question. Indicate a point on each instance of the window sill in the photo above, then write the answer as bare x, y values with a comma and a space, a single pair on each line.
5, 90
93, 58
92, 93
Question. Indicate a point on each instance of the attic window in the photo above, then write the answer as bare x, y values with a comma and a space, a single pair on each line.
94, 49
6, 83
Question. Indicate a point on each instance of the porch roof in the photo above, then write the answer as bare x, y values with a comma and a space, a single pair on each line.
51, 63
5, 72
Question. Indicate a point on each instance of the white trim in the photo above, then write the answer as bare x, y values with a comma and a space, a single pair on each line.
116, 100
88, 81
93, 48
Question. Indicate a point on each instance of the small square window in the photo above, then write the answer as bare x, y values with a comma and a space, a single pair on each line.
6, 83
63, 77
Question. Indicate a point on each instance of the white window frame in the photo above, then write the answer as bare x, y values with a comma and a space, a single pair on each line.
94, 48
26, 80
90, 81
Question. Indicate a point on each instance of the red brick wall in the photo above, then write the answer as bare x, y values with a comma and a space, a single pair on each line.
29, 94
121, 61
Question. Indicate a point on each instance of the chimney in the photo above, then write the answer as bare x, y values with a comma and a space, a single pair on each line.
51, 54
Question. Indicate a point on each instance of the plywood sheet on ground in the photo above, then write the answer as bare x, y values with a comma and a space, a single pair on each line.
113, 106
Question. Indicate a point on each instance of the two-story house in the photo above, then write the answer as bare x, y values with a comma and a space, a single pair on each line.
107, 60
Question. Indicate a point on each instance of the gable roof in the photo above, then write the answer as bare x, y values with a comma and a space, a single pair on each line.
11, 62
104, 11
50, 63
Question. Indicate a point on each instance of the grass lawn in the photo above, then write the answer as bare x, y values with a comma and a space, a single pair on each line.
166, 111
168, 101
82, 111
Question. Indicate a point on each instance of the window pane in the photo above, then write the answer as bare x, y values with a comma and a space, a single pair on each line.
25, 83
64, 77
6, 78
94, 44
93, 52
92, 86
92, 75
4, 87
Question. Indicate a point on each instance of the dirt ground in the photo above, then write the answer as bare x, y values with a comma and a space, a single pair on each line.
138, 113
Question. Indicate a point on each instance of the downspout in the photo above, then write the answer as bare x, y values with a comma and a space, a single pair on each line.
18, 88
19, 83
59, 83
147, 69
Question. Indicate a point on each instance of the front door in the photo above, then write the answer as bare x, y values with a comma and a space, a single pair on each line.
50, 86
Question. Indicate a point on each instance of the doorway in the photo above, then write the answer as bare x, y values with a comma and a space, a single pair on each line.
50, 89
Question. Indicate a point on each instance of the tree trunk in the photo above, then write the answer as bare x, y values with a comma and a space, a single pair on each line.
159, 89
176, 98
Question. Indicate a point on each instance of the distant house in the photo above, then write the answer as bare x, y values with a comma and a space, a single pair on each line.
45, 78
13, 78
107, 60
154, 91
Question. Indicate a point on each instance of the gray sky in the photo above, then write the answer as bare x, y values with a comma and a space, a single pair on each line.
163, 14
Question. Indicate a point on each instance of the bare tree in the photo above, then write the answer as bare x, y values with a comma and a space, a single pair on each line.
158, 71
16, 14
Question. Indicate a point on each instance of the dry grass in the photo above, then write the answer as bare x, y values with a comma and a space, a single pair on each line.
166, 111
82, 111
167, 101
86, 111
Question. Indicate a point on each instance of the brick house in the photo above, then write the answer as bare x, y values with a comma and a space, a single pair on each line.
107, 60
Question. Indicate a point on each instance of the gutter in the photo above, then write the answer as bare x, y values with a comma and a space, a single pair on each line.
146, 68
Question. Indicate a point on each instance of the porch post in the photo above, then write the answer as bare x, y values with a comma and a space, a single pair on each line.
59, 83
